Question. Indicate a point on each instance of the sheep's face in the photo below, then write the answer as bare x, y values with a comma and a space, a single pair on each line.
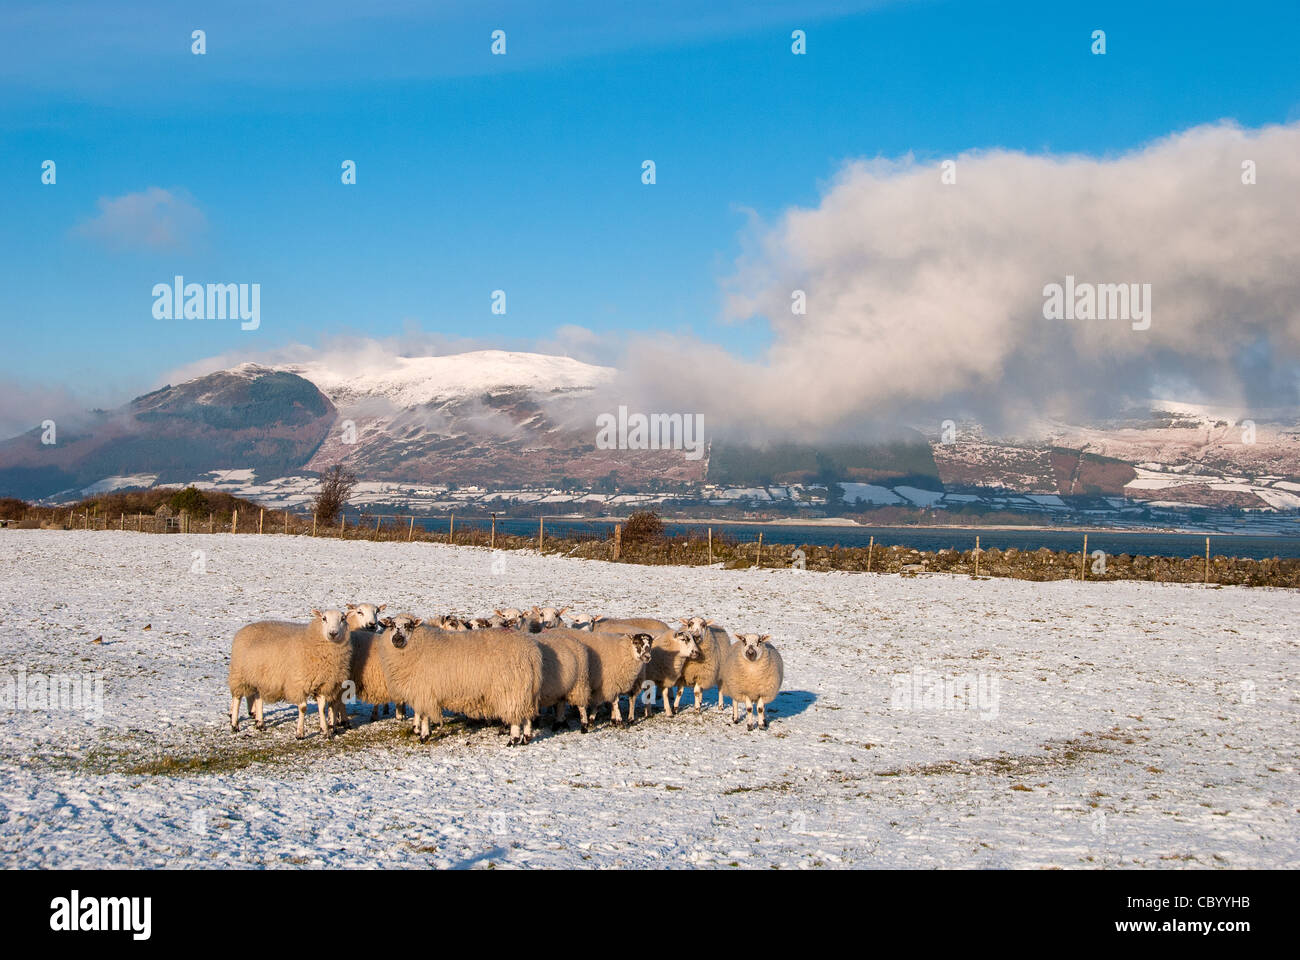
335, 624
364, 616
449, 622
550, 616
641, 643
480, 623
510, 613
696, 625
687, 644
582, 621
398, 629
751, 645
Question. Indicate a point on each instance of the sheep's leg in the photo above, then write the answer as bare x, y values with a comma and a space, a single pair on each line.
561, 714
762, 714
424, 728
668, 700
699, 692
374, 713
679, 692
302, 720
615, 715
259, 705
234, 714
528, 730
582, 716
321, 713
749, 713
401, 711
734, 718
514, 734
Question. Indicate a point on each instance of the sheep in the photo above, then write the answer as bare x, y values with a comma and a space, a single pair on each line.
669, 655
495, 674
364, 616
550, 617
272, 660
510, 617
360, 617
615, 665
752, 672
582, 621
637, 624
486, 623
450, 621
566, 676
703, 672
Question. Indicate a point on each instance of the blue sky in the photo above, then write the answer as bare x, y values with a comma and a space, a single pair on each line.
522, 172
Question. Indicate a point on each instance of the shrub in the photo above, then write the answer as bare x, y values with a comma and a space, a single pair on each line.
189, 500
11, 508
335, 491
644, 526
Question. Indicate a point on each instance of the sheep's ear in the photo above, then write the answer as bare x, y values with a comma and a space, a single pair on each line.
381, 607
561, 613
318, 614
416, 621
765, 638
352, 606
386, 622
708, 623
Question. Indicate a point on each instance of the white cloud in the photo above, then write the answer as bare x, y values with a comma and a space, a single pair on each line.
154, 219
929, 297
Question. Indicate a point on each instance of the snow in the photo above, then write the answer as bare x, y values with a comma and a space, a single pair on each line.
869, 493
922, 498
1149, 725
109, 484
414, 381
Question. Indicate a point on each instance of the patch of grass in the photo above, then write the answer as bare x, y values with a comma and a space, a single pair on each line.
240, 752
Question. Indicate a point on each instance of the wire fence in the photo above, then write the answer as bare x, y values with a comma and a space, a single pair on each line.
603, 539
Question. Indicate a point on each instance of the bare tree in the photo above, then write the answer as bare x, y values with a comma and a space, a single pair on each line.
335, 491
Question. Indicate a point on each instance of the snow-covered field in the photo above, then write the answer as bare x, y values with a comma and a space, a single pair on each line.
1098, 724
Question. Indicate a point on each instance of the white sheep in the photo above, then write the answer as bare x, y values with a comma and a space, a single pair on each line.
669, 655
274, 661
489, 675
629, 624
704, 671
615, 667
566, 676
550, 617
752, 672
582, 621
360, 617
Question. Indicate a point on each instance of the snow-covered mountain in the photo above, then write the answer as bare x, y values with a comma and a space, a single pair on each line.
415, 381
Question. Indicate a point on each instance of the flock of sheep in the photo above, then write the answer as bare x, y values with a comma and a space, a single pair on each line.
508, 667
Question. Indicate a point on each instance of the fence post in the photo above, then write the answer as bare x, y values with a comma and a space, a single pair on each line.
343, 524
541, 533
1207, 561
1083, 561
122, 524
977, 554
451, 528
313, 523
759, 558
492, 540
618, 539
411, 532
377, 519
871, 548
710, 546
261, 512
